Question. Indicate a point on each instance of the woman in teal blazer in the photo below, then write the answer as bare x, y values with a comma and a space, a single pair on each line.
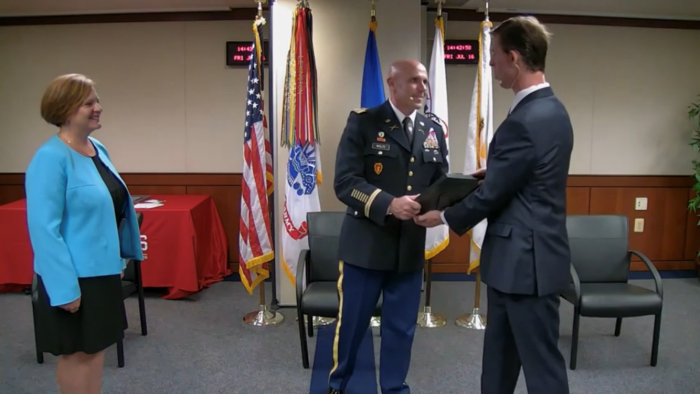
82, 227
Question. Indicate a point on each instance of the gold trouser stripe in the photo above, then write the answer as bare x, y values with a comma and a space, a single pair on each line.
368, 205
338, 320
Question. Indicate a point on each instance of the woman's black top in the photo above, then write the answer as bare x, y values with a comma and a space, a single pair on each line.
116, 188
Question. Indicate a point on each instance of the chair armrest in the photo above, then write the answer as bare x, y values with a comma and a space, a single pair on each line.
130, 271
35, 288
576, 282
652, 269
302, 265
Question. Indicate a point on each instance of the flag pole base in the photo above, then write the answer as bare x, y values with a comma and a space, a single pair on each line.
428, 319
263, 318
473, 321
375, 322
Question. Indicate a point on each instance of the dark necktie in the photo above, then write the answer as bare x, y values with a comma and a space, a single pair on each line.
408, 128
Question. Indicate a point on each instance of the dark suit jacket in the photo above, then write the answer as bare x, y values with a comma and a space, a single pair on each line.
526, 247
375, 164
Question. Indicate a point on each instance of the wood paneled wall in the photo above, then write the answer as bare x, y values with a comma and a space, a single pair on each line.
671, 237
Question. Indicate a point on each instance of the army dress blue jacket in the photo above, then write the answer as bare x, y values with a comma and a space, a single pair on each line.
375, 164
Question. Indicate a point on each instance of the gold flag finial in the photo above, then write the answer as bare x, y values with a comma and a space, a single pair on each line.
259, 19
439, 3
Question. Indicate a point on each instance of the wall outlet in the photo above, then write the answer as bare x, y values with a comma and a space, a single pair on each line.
640, 204
639, 225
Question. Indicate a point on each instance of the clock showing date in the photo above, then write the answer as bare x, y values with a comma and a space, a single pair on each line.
238, 53
461, 51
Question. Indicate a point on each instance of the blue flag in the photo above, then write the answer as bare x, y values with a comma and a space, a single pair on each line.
372, 83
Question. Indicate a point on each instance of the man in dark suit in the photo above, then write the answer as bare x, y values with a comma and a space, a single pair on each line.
525, 257
387, 155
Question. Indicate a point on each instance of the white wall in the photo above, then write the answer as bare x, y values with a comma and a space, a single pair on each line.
170, 102
626, 89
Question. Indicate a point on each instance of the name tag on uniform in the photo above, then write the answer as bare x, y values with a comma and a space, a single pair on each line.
381, 146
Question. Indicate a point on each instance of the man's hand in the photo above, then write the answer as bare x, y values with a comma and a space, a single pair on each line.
72, 307
122, 274
429, 219
405, 207
479, 174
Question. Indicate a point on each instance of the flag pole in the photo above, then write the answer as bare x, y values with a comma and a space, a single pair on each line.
274, 303
474, 320
262, 317
317, 321
427, 318
375, 321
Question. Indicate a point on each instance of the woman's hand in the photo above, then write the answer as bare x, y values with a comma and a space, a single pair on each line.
72, 307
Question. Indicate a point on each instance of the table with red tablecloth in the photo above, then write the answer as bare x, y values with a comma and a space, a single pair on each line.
184, 245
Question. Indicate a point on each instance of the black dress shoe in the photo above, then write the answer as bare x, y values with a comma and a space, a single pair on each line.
334, 391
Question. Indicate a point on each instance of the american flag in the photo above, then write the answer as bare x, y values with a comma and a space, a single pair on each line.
255, 238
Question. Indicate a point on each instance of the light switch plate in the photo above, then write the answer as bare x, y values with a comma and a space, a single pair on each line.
639, 225
640, 204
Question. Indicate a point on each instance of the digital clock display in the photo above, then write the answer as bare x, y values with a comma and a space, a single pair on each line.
238, 53
461, 51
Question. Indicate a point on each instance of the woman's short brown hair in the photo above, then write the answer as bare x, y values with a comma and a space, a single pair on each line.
64, 96
527, 36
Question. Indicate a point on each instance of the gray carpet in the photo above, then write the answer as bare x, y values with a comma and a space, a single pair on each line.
201, 346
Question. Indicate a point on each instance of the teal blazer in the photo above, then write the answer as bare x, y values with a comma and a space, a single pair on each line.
70, 215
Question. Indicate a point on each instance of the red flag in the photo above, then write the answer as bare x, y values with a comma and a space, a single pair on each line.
299, 117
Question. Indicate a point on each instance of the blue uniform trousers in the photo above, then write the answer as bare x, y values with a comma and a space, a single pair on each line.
359, 290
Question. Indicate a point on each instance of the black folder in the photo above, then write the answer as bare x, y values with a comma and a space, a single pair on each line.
446, 192
138, 199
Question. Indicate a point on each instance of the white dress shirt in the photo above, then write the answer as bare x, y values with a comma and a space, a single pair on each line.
400, 116
523, 93
516, 100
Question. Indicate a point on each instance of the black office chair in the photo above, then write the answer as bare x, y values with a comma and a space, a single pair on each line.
600, 271
320, 265
132, 283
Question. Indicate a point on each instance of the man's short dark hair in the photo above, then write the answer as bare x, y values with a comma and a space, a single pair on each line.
527, 36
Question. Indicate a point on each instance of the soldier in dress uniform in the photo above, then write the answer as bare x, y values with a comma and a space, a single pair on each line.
386, 157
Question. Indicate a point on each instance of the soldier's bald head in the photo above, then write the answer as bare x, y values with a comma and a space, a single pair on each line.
404, 66
408, 81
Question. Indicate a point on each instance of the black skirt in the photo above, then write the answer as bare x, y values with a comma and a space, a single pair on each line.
98, 324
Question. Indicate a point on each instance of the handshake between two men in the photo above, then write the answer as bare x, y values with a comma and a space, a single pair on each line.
407, 208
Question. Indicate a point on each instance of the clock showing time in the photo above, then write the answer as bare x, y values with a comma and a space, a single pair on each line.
238, 53
461, 51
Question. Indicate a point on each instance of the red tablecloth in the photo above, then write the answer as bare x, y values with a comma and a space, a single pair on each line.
183, 242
